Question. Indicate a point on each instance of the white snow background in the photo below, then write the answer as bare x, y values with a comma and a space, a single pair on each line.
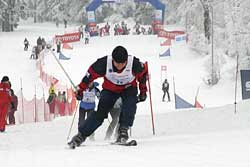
211, 137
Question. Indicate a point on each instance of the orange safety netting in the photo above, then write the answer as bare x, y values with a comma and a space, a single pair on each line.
38, 110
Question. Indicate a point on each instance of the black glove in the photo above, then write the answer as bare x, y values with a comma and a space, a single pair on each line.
79, 93
142, 97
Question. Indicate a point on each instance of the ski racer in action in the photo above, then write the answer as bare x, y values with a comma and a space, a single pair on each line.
122, 75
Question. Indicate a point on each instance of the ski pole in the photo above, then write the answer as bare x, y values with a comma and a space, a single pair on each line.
73, 119
72, 83
150, 98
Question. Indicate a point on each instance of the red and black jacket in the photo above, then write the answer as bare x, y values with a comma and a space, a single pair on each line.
98, 69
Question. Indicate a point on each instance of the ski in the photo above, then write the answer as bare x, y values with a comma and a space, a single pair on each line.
128, 143
73, 145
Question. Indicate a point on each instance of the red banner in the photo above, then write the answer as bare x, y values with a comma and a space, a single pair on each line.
169, 34
67, 38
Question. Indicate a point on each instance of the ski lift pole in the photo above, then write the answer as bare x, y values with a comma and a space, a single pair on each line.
72, 83
150, 97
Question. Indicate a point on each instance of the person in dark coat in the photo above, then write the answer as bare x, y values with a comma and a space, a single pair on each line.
165, 88
58, 45
65, 23
122, 74
5, 100
26, 44
39, 43
13, 108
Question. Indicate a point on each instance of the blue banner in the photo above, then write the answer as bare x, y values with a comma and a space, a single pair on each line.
181, 103
166, 53
62, 57
245, 83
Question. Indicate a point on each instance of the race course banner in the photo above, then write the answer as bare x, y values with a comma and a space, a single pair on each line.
245, 83
68, 38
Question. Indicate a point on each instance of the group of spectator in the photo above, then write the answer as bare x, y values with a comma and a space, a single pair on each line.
36, 49
56, 100
84, 33
65, 22
119, 29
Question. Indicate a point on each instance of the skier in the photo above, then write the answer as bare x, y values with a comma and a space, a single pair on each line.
165, 88
5, 100
86, 37
26, 44
87, 105
115, 113
121, 73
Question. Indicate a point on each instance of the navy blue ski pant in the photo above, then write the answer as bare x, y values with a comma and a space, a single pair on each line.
106, 103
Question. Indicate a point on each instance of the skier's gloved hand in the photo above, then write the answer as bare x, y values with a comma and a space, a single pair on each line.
79, 93
142, 97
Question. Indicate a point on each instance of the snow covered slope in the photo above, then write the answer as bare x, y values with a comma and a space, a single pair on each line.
213, 137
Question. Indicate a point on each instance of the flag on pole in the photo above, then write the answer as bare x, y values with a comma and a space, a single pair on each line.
54, 80
181, 103
62, 57
166, 43
166, 53
197, 104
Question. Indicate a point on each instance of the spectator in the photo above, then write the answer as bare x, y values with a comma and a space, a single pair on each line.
61, 100
86, 28
137, 28
80, 29
115, 113
150, 31
39, 44
13, 108
33, 53
143, 30
52, 99
5, 100
57, 22
26, 44
107, 28
65, 23
43, 43
165, 88
58, 45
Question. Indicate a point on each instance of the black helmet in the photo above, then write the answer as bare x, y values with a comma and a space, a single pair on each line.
5, 79
120, 54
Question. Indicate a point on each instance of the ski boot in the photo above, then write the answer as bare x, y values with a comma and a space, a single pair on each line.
122, 135
76, 141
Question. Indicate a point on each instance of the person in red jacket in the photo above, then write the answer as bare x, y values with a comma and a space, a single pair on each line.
13, 108
122, 75
5, 100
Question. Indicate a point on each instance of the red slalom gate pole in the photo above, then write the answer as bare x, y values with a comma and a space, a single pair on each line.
150, 98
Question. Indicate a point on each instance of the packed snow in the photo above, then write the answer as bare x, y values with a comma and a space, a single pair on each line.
215, 136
